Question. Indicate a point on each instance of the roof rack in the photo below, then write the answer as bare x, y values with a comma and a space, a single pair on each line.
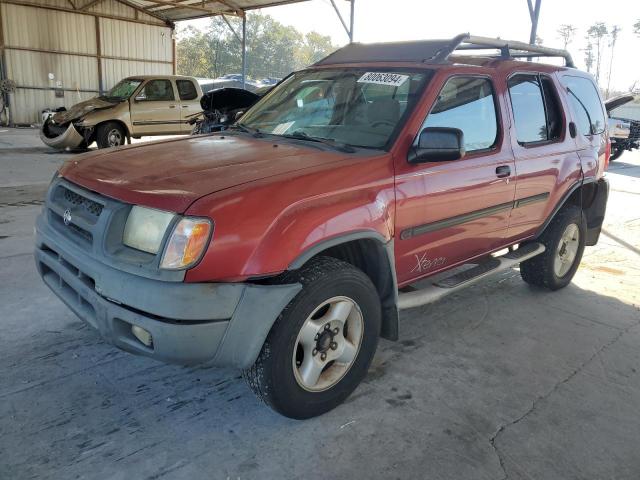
508, 48
439, 51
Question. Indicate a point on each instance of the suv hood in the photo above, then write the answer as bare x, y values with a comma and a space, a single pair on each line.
617, 101
172, 174
79, 110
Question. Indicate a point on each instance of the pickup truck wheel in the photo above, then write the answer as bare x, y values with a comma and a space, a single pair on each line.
110, 134
615, 153
564, 240
321, 345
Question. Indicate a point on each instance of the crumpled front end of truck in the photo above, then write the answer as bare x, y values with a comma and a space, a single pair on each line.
61, 137
69, 129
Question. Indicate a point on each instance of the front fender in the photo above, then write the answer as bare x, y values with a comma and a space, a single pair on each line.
306, 228
265, 227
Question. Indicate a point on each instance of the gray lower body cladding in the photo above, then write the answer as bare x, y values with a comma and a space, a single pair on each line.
221, 324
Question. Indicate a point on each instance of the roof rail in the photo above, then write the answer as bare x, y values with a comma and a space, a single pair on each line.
508, 48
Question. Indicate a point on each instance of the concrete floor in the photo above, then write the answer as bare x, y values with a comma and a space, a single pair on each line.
501, 380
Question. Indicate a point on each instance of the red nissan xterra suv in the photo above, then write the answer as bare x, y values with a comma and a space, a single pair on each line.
286, 245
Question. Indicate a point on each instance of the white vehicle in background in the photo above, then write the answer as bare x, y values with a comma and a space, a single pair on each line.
624, 124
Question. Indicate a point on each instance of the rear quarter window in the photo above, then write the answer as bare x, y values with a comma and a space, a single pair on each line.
586, 105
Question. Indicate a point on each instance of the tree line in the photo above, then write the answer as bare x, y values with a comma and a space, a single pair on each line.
273, 49
600, 39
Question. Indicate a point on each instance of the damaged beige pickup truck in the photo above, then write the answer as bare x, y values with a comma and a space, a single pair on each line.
136, 106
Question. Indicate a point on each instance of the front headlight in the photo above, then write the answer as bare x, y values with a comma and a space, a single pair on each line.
187, 243
145, 228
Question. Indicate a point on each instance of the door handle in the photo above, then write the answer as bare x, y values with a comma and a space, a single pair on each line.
185, 106
172, 106
503, 171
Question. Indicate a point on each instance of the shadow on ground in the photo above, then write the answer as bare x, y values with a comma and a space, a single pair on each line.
499, 378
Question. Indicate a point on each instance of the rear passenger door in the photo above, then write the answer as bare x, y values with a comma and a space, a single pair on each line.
547, 164
189, 103
451, 211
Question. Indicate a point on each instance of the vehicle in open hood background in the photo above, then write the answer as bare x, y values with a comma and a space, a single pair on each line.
624, 123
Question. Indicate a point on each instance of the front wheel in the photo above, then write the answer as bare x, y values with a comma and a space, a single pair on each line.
320, 347
110, 134
564, 241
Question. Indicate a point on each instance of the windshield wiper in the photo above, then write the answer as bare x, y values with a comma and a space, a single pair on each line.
252, 131
300, 135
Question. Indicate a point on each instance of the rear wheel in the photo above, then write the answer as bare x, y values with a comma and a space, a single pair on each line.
564, 241
110, 134
321, 345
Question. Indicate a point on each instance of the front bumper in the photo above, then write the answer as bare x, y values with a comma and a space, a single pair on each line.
221, 324
70, 138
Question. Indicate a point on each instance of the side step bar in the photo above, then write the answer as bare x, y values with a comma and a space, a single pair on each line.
455, 282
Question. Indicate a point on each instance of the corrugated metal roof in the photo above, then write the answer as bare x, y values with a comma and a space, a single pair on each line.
174, 10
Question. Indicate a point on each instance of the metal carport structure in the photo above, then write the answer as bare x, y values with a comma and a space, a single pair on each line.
59, 52
177, 10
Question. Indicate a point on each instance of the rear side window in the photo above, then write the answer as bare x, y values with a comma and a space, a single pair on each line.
528, 108
467, 103
157, 91
586, 105
186, 90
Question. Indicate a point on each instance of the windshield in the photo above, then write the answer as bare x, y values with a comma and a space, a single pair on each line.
124, 88
351, 106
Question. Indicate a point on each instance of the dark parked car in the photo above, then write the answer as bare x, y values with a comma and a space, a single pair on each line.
220, 108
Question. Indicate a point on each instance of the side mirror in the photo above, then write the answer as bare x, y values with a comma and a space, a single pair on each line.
438, 144
140, 98
238, 115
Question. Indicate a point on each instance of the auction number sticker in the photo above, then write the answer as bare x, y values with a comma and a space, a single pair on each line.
382, 78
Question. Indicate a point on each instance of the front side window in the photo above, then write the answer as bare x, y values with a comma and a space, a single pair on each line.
352, 106
586, 105
467, 103
186, 90
528, 109
157, 91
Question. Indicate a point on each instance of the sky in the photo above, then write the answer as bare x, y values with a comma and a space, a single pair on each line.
393, 20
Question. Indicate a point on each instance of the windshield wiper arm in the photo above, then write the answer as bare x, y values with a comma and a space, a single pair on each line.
252, 131
342, 147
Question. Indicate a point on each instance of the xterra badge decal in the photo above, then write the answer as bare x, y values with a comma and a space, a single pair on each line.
423, 263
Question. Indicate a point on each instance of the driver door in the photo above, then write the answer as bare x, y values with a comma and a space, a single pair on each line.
449, 212
155, 110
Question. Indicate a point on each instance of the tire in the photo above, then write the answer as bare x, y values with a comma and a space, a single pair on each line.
110, 134
278, 375
616, 152
555, 268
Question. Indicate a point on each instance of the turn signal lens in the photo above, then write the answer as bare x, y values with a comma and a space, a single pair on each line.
186, 244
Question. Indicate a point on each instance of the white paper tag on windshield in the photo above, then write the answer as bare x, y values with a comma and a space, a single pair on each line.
282, 128
382, 78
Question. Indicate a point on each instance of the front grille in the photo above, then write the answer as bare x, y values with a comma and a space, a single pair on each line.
73, 198
75, 213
